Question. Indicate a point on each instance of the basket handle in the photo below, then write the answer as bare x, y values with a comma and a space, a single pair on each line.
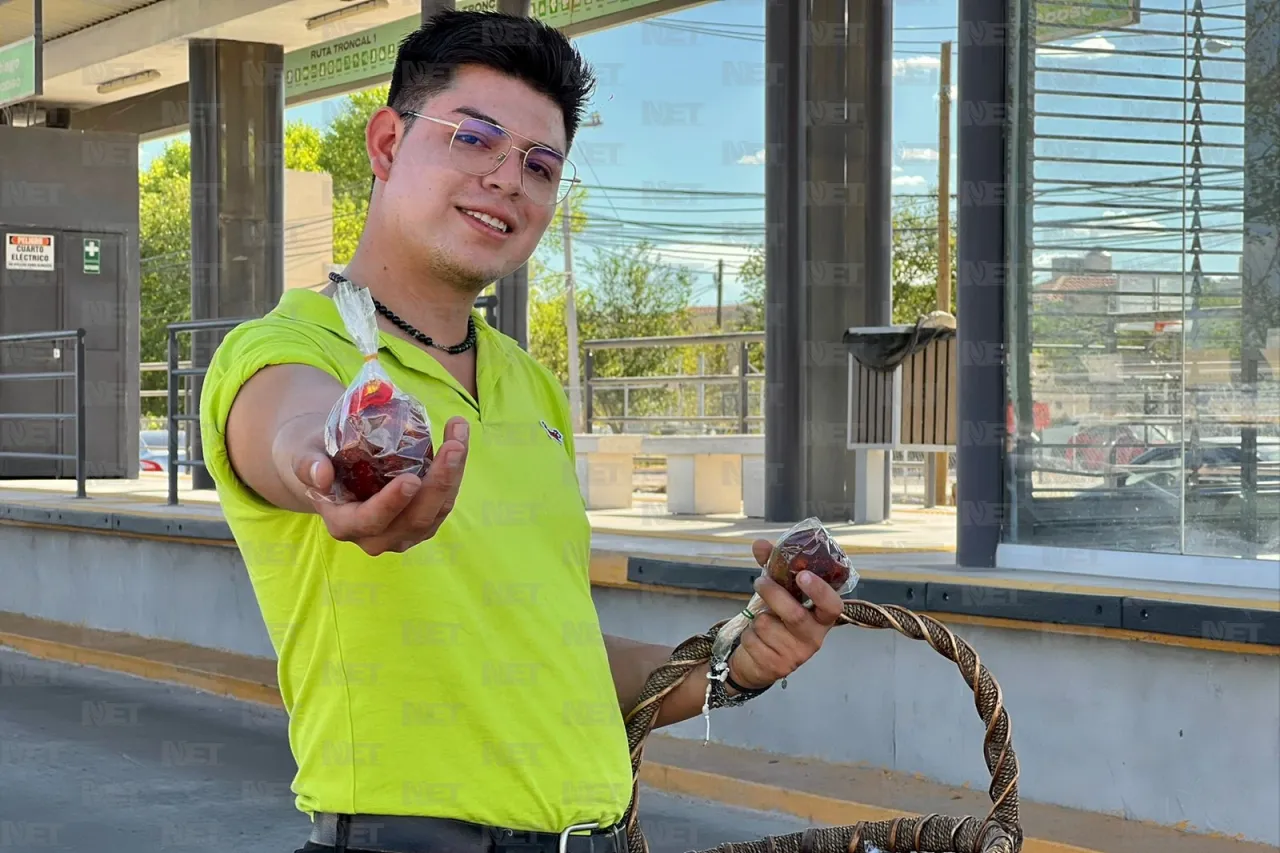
999, 832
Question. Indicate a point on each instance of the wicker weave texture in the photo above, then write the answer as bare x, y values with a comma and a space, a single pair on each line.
997, 832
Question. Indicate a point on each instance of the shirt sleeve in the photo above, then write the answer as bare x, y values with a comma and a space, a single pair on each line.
244, 351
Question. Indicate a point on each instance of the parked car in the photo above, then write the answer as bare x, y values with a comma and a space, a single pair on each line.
1216, 460
153, 450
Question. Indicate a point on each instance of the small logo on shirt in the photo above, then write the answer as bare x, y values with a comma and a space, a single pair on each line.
553, 432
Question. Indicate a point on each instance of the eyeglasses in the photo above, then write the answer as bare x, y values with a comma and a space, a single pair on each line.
480, 147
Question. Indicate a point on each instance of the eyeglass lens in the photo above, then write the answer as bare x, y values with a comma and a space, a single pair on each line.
480, 148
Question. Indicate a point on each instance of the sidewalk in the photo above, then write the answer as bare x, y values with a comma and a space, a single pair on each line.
815, 791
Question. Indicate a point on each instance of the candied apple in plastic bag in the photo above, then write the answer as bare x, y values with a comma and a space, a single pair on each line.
806, 546
375, 432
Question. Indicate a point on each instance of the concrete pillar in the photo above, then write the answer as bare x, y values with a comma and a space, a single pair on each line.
513, 290
828, 214
981, 272
1260, 264
785, 160
237, 187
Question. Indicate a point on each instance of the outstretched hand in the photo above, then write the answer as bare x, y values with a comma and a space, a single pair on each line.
781, 639
406, 511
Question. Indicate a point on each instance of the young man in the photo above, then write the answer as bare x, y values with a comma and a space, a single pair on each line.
440, 657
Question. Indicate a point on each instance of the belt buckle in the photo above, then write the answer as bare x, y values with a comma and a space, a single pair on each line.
563, 847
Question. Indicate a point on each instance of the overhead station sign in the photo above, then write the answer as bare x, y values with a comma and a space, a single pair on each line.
19, 71
368, 57
1062, 19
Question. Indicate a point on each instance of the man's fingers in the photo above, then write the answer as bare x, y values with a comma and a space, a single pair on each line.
761, 549
784, 605
439, 489
372, 517
827, 604
314, 471
458, 428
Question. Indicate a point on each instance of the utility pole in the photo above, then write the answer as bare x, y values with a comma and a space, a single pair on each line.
571, 318
720, 293
939, 485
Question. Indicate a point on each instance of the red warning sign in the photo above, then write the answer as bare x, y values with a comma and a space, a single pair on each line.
29, 252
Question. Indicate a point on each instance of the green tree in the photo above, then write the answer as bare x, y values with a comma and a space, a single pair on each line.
915, 259
751, 276
632, 295
343, 153
164, 219
303, 147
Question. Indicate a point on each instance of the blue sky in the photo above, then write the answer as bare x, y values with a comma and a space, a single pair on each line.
681, 103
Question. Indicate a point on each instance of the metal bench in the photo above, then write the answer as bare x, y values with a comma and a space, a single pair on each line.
902, 396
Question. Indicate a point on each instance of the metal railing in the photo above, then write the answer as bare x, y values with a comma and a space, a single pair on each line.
77, 375
174, 418
742, 378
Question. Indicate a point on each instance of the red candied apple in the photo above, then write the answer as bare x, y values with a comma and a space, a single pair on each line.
813, 550
364, 464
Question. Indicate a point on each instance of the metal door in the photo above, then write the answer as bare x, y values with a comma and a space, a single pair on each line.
30, 301
93, 287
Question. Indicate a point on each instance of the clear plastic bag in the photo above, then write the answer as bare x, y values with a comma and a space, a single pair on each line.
375, 432
807, 545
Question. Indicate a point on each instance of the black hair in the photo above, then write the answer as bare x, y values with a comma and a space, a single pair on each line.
525, 48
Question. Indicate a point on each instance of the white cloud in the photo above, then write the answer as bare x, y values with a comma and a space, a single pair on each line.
919, 154
912, 182
756, 159
1131, 221
915, 64
897, 168
1091, 44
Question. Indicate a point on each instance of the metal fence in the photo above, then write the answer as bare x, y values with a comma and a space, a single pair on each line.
743, 379
176, 372
77, 375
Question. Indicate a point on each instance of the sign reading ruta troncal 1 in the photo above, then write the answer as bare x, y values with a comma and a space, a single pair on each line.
368, 57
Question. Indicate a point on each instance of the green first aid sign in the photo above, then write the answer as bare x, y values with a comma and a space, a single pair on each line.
92, 256
18, 72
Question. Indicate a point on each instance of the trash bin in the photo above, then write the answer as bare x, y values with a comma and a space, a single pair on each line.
902, 383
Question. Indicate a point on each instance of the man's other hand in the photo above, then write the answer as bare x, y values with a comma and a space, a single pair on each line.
780, 640
406, 511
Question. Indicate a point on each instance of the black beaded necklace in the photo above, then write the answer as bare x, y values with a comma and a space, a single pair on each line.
455, 349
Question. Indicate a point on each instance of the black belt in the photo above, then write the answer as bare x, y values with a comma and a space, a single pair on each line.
411, 834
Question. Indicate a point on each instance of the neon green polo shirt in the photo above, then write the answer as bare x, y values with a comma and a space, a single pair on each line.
467, 677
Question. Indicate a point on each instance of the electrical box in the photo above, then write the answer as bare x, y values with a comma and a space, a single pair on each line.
69, 225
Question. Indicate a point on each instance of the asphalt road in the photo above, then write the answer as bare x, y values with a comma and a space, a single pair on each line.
98, 762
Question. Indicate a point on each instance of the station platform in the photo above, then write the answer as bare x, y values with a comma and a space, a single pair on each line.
914, 535
820, 793
1144, 711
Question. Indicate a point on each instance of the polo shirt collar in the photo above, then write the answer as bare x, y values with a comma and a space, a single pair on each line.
493, 357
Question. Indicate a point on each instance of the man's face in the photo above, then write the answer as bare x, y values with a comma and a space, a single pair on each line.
431, 204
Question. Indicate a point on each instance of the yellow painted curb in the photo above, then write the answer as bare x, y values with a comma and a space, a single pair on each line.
211, 682
726, 790
806, 806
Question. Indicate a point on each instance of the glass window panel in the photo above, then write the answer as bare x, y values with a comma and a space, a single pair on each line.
1145, 297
